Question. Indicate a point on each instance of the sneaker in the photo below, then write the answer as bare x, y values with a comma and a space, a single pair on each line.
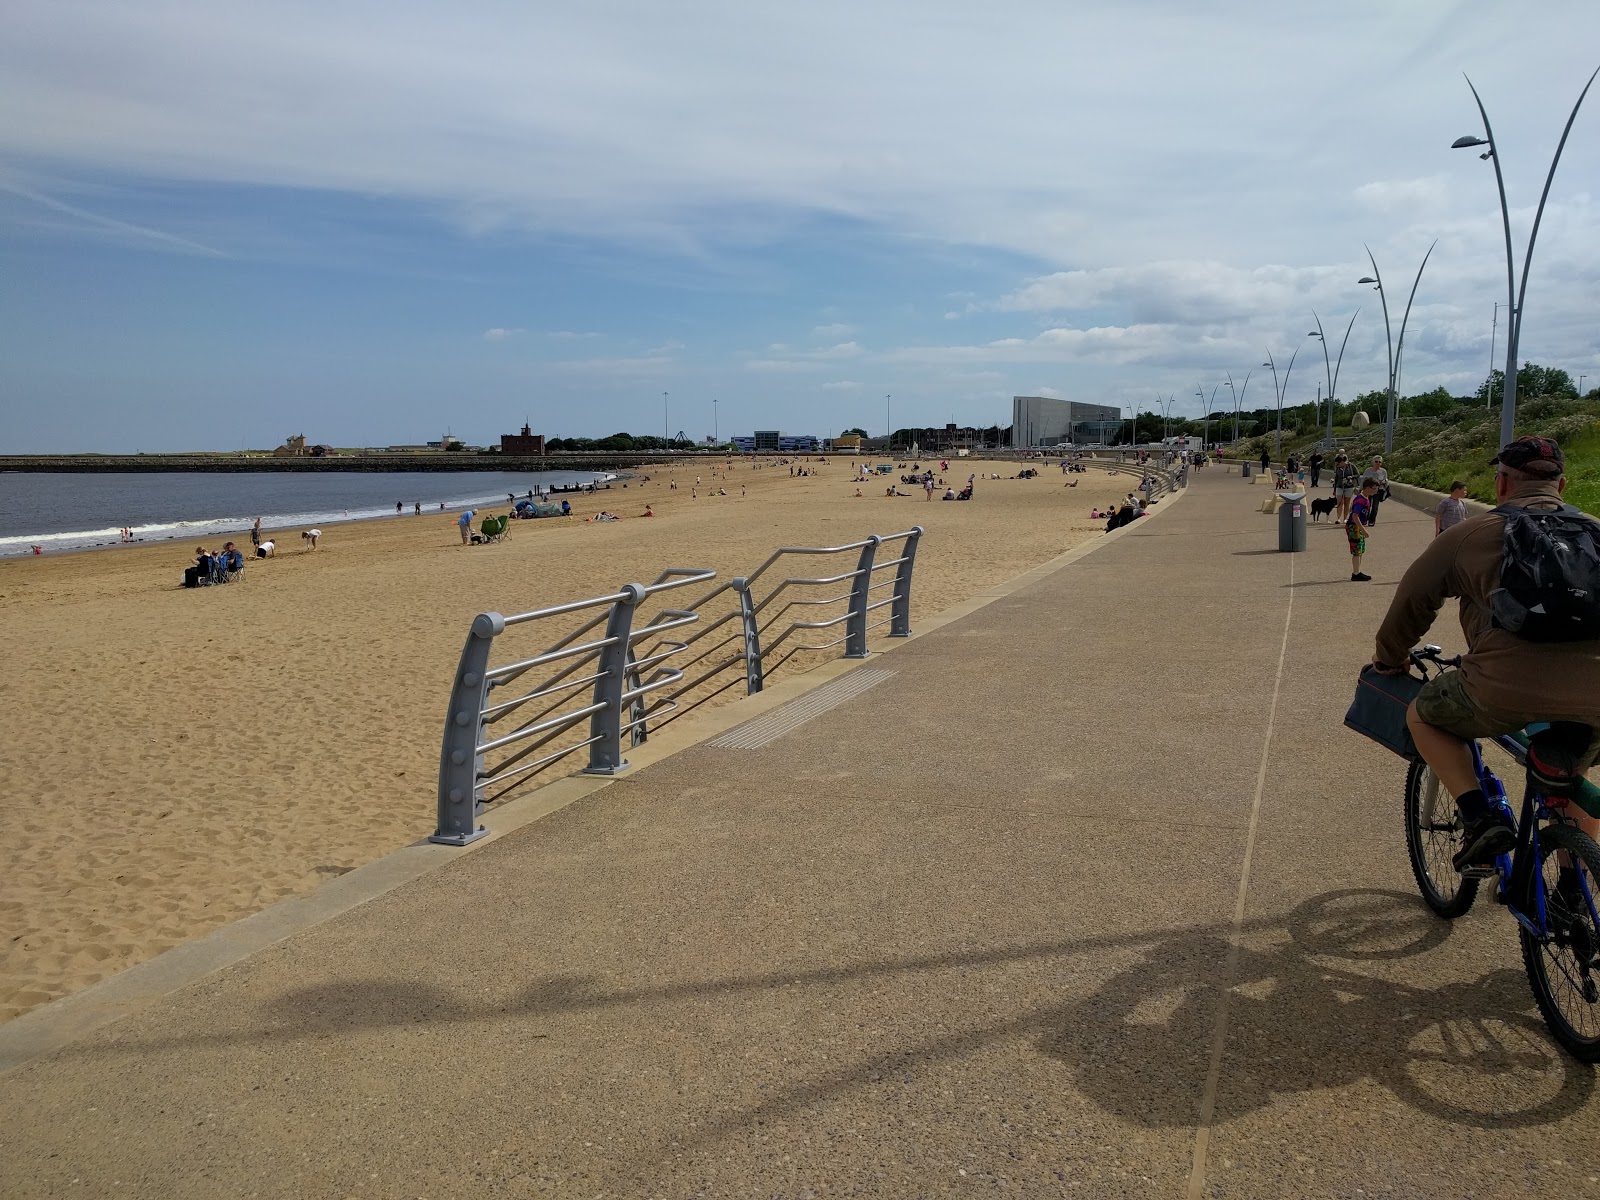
1361, 577
1483, 840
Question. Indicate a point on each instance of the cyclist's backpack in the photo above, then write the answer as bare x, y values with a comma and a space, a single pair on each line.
1549, 575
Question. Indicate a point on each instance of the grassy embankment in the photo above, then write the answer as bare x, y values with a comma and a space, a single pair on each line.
1430, 452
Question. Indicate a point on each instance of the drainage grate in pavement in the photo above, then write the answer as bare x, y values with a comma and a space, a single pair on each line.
764, 730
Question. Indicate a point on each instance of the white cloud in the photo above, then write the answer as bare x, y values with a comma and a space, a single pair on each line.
501, 335
952, 316
836, 330
569, 334
842, 385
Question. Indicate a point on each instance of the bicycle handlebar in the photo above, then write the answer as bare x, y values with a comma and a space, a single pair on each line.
1433, 654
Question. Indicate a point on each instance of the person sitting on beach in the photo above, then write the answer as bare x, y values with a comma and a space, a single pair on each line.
232, 560
858, 495
200, 573
648, 511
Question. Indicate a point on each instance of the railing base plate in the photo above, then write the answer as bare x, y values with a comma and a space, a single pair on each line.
616, 770
458, 839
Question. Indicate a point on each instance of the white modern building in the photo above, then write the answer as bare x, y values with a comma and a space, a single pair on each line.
1046, 421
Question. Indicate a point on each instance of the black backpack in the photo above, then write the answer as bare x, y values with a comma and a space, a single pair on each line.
1549, 575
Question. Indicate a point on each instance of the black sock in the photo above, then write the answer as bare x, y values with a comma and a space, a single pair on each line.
1473, 805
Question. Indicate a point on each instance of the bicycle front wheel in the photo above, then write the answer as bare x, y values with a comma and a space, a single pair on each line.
1433, 835
1563, 960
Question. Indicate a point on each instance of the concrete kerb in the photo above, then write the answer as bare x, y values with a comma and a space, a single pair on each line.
71, 1017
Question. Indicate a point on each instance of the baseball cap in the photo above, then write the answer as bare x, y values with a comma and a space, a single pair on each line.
1535, 455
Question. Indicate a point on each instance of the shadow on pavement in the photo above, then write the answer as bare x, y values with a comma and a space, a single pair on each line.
1316, 1003
1303, 1017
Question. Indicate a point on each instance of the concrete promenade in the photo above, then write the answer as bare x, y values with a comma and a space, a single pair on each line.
1089, 894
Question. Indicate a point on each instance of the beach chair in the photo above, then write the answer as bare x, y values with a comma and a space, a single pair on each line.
494, 529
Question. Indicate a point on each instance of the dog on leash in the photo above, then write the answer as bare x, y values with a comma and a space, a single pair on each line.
1323, 506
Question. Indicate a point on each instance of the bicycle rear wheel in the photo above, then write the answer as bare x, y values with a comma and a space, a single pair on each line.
1433, 835
1563, 962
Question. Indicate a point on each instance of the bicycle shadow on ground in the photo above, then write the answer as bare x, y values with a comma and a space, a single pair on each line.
1302, 1016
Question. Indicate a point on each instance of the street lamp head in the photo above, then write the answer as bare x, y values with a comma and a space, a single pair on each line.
1368, 279
1462, 143
1266, 364
1314, 334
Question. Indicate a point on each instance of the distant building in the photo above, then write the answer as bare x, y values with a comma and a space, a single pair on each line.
524, 444
846, 443
1046, 421
771, 441
293, 447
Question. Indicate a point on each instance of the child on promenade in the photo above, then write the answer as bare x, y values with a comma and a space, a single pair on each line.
1355, 529
1452, 510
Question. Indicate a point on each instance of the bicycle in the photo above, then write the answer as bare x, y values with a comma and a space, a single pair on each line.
1546, 881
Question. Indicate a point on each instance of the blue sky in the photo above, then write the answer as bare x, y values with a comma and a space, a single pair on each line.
222, 224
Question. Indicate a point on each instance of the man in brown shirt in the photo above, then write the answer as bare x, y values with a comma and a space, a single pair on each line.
1504, 681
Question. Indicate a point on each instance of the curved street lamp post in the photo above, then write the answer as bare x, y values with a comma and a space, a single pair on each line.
1238, 398
1284, 392
1396, 349
1515, 293
1332, 372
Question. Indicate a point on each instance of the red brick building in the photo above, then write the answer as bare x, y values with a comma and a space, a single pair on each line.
522, 444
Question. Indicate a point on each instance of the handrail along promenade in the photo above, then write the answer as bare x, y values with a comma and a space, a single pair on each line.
613, 669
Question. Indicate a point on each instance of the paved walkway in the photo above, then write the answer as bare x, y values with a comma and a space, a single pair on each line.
1091, 895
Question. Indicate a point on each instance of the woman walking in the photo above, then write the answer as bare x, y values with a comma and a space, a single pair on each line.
1344, 484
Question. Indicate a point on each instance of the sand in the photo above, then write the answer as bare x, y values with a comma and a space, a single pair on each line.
177, 759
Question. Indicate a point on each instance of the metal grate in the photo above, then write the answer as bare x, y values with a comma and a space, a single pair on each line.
769, 728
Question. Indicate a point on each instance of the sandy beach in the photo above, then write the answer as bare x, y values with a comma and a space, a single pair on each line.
180, 758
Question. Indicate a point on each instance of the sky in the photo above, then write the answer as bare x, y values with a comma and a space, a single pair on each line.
224, 223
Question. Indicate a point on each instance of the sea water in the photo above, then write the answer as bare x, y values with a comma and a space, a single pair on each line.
71, 511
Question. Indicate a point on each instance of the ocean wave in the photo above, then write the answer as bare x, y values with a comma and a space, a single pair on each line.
227, 527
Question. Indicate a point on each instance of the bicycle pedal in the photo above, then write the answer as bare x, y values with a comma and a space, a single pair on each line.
1479, 872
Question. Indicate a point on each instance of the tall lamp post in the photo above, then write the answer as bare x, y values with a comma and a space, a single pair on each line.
716, 433
1238, 398
1395, 349
1332, 372
666, 442
1166, 412
1285, 390
888, 433
1515, 293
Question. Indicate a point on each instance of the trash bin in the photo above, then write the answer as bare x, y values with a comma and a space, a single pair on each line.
1292, 521
1244, 470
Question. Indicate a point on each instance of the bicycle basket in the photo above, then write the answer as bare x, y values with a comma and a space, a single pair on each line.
1379, 709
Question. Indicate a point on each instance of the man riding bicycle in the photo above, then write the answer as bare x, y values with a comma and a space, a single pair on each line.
1505, 681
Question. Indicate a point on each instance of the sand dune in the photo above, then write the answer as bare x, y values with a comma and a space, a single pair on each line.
179, 759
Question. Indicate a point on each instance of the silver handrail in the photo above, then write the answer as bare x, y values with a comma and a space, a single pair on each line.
641, 678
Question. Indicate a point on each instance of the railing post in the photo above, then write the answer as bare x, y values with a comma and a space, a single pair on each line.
855, 629
754, 677
459, 760
605, 754
900, 610
638, 732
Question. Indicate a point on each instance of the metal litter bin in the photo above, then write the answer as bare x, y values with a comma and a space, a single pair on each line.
1244, 470
1292, 521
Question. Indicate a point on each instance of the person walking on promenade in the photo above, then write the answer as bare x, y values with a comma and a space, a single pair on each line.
1452, 510
1315, 463
1266, 461
1344, 484
1355, 529
1376, 471
1505, 681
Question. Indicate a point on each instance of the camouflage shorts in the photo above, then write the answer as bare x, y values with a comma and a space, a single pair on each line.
1443, 702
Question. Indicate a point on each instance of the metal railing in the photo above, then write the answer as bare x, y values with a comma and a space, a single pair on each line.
632, 674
